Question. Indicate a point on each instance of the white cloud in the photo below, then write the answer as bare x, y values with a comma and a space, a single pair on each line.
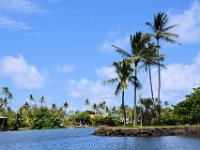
65, 68
8, 23
22, 6
24, 75
119, 42
177, 80
94, 90
106, 73
188, 23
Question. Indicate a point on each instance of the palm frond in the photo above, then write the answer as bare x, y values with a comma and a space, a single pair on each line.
118, 89
170, 27
111, 80
170, 40
171, 35
122, 52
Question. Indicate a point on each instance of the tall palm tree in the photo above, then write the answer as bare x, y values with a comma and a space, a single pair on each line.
150, 58
42, 100
138, 44
8, 95
161, 32
124, 73
31, 99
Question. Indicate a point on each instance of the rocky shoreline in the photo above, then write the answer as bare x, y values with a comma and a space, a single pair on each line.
147, 132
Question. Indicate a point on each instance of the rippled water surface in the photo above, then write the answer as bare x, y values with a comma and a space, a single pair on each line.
81, 139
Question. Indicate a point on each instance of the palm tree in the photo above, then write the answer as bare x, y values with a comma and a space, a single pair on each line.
87, 102
31, 99
150, 58
1, 102
8, 95
53, 107
94, 107
138, 45
65, 106
42, 100
161, 32
114, 110
124, 73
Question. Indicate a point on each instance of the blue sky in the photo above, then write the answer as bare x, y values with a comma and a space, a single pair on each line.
60, 49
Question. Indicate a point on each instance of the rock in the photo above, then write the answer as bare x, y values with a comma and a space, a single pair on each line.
145, 132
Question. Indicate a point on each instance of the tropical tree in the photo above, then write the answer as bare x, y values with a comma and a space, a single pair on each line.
8, 95
161, 32
53, 107
150, 58
65, 106
42, 100
124, 73
87, 102
31, 99
138, 45
94, 107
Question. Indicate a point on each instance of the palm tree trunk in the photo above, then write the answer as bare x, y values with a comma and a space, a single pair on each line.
151, 86
135, 99
159, 75
159, 79
124, 111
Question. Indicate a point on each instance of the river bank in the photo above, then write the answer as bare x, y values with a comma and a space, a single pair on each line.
146, 132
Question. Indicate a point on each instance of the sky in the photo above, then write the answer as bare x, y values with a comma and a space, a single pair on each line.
61, 49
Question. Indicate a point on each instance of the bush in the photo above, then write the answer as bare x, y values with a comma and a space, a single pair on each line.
45, 119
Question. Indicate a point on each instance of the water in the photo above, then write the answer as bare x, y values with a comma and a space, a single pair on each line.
81, 139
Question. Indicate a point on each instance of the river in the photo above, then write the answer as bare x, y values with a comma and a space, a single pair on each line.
81, 139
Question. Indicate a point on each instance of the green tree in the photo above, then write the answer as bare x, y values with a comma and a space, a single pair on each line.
42, 100
31, 99
8, 95
150, 58
87, 102
161, 32
45, 119
94, 107
138, 45
124, 74
188, 111
65, 106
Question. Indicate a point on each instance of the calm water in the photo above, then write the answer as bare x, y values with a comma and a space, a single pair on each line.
81, 139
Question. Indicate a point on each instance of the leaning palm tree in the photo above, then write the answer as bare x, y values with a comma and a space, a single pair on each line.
161, 32
138, 44
124, 73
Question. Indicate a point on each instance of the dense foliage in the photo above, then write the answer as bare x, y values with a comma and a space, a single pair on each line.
42, 117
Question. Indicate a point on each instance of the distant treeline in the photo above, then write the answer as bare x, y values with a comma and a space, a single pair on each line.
32, 116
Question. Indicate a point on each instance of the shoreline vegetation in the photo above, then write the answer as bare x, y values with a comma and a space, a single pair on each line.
144, 54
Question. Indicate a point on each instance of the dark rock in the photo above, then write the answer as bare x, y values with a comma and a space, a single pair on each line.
175, 131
